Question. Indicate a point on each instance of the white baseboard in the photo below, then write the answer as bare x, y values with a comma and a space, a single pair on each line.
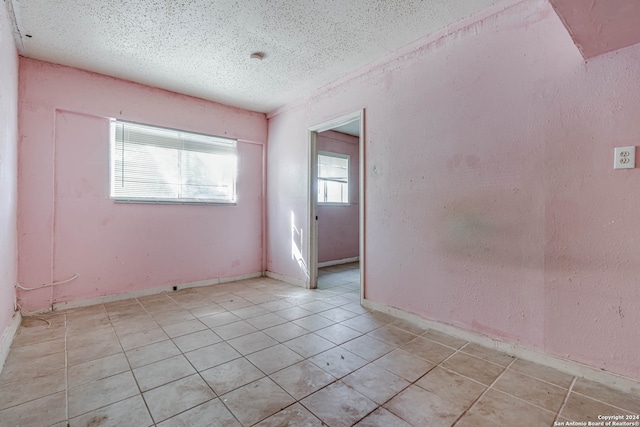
7, 338
338, 262
286, 279
65, 305
571, 367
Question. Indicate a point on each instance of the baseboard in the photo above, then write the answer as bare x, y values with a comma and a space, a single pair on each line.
7, 338
338, 262
65, 305
286, 279
571, 367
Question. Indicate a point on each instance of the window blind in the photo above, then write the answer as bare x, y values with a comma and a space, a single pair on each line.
155, 164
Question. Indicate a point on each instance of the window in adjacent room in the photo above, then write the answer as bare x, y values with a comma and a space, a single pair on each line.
333, 178
159, 165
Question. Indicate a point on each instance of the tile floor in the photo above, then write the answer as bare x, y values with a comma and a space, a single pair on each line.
261, 352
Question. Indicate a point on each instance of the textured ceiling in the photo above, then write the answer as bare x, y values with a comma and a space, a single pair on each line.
202, 47
600, 26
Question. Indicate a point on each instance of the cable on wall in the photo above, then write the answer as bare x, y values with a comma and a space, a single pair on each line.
46, 285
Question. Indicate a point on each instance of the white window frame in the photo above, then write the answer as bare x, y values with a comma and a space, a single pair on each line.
232, 144
348, 183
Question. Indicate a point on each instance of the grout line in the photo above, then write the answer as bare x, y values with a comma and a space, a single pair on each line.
483, 393
66, 372
565, 400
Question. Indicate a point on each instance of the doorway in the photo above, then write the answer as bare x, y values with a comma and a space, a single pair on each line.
336, 203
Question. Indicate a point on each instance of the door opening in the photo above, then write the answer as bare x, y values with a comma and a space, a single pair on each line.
336, 204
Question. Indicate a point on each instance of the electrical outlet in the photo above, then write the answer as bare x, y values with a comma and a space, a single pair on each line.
625, 158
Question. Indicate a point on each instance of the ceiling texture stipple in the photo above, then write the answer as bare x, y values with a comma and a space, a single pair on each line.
202, 47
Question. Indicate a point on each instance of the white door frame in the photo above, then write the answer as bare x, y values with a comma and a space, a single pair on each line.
312, 242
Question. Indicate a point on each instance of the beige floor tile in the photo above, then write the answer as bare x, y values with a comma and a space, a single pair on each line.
152, 353
382, 418
256, 401
309, 345
422, 408
488, 354
313, 322
285, 331
178, 329
392, 335
534, 391
16, 393
94, 395
428, 350
276, 305
410, 327
231, 375
376, 383
498, 409
176, 397
90, 338
196, 340
16, 369
209, 309
249, 312
404, 364
293, 313
338, 314
28, 336
96, 369
141, 339
316, 306
338, 334
338, 361
338, 405
133, 324
274, 358
190, 300
212, 413
234, 330
266, 321
302, 379
235, 303
163, 372
80, 325
37, 350
219, 319
40, 412
213, 355
94, 351
368, 348
584, 409
451, 387
251, 343
293, 416
128, 412
543, 373
364, 323
474, 368
627, 401
356, 308
166, 318
443, 338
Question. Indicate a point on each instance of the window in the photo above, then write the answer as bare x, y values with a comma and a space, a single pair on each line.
151, 164
333, 178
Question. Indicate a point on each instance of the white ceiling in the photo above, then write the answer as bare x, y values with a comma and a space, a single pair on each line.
202, 47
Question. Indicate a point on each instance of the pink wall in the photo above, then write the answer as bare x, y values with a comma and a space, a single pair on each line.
8, 169
68, 224
491, 200
338, 225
